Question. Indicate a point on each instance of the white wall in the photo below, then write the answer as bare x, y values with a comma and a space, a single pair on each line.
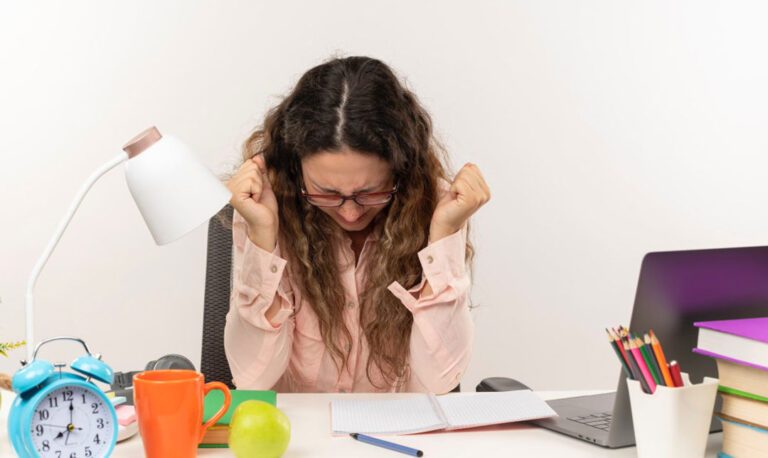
605, 129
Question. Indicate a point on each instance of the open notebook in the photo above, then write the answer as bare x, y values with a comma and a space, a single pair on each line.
428, 412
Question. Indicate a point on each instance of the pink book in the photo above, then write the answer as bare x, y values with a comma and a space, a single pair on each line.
743, 341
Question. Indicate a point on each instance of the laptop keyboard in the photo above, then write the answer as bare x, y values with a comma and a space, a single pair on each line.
598, 420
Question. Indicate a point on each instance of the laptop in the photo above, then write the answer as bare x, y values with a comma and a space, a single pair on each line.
675, 289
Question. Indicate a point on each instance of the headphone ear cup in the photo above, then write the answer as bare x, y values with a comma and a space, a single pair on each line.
150, 365
172, 361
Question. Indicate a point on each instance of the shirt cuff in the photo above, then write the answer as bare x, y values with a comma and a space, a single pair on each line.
443, 266
264, 270
443, 261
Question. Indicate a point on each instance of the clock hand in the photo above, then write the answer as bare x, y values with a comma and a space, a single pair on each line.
55, 426
59, 426
67, 439
70, 412
61, 434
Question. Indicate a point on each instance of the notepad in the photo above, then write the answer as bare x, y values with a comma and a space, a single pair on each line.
428, 412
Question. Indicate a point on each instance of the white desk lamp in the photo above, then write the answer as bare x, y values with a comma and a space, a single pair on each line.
174, 193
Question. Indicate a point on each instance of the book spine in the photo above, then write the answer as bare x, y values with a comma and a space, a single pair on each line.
438, 410
743, 394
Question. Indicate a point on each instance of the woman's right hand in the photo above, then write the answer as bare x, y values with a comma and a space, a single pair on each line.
253, 198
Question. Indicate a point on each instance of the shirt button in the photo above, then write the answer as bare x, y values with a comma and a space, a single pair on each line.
351, 305
347, 347
430, 259
342, 391
273, 269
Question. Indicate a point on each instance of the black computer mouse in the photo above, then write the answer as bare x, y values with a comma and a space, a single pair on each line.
500, 384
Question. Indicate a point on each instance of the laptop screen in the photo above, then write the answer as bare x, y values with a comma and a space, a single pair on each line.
678, 288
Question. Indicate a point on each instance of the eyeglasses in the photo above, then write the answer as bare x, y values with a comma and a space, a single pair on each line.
366, 199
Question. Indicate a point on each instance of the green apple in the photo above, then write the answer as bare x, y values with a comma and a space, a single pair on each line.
258, 430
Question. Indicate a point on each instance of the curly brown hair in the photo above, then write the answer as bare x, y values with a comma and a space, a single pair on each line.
358, 103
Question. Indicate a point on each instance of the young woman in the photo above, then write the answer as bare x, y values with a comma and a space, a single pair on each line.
350, 243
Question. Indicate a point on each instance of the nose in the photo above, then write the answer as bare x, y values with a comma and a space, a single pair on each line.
351, 211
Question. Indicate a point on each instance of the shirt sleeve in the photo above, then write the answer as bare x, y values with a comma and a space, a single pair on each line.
258, 350
443, 331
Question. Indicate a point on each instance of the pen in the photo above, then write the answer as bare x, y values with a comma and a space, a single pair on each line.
674, 369
385, 444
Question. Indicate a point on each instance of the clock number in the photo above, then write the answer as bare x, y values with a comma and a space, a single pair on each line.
68, 395
95, 407
53, 402
73, 455
84, 401
96, 439
39, 430
58, 453
99, 423
88, 451
46, 446
43, 414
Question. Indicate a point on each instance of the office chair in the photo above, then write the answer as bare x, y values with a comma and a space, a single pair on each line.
218, 284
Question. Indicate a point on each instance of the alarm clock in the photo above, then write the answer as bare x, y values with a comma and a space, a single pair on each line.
62, 414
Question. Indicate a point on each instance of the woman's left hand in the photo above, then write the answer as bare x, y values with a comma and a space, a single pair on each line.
467, 194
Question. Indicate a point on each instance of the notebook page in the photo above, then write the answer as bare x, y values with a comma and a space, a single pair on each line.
392, 416
477, 409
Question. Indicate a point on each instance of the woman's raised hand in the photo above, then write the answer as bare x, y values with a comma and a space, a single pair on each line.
467, 194
253, 198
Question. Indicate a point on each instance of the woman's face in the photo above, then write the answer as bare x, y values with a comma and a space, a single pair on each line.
347, 172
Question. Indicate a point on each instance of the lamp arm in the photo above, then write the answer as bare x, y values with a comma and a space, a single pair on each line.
117, 160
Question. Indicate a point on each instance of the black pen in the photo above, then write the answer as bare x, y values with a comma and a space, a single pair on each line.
385, 444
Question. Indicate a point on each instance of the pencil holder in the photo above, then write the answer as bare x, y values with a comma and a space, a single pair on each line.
673, 421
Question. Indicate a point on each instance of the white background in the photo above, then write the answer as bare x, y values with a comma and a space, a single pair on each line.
605, 129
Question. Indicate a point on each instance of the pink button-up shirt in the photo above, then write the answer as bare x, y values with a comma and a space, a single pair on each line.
287, 354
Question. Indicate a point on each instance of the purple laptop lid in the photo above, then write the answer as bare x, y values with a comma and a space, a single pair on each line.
679, 288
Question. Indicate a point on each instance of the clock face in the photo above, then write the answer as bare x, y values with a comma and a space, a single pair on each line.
72, 422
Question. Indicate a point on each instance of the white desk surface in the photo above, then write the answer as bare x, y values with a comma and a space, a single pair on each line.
310, 435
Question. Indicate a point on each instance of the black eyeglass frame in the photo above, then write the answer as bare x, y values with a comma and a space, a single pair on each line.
353, 197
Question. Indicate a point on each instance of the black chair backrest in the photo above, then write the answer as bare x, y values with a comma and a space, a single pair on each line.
218, 281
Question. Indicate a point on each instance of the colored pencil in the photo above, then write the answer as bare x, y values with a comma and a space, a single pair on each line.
674, 369
636, 374
661, 359
620, 346
641, 364
623, 334
615, 347
652, 357
646, 357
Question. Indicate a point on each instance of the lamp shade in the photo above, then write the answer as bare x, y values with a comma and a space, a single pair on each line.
174, 192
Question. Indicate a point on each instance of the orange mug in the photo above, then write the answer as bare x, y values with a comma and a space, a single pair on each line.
169, 409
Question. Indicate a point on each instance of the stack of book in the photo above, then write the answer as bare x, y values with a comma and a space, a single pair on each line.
217, 436
740, 348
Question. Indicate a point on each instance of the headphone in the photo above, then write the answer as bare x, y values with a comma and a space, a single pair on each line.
123, 382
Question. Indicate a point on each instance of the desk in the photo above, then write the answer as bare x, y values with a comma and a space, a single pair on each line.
310, 436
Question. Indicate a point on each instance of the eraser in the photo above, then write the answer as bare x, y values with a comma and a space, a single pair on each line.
125, 414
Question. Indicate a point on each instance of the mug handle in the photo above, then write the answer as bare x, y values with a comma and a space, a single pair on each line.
224, 407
